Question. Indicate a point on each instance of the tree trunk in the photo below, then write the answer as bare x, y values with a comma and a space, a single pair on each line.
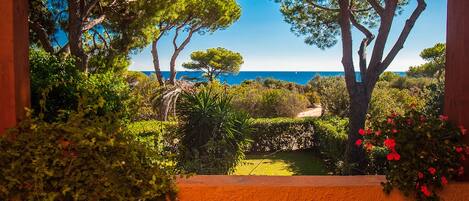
156, 62
172, 67
355, 155
75, 34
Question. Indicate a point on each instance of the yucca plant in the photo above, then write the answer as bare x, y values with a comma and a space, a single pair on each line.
214, 135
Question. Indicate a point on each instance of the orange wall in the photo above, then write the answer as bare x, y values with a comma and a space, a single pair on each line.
298, 188
457, 66
14, 69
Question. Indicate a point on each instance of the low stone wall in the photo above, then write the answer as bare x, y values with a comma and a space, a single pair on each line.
298, 188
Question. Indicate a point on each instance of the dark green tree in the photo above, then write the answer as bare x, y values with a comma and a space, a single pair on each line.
104, 29
435, 66
214, 62
323, 21
187, 17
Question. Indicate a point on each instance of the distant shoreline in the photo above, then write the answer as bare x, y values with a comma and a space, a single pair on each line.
299, 77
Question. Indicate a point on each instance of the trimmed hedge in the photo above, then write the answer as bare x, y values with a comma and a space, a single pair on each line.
282, 134
328, 135
331, 140
161, 135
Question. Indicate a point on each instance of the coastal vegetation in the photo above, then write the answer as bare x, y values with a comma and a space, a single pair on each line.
322, 22
97, 130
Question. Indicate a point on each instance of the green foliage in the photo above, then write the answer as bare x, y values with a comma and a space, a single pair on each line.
423, 153
57, 87
435, 97
145, 89
215, 61
333, 93
331, 140
56, 79
321, 26
162, 135
282, 134
385, 101
214, 136
106, 93
81, 159
388, 76
113, 30
435, 66
272, 83
313, 97
411, 83
261, 102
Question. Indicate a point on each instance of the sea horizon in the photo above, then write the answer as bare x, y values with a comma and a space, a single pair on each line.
298, 77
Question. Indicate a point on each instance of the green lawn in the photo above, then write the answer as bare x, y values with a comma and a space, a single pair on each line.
282, 164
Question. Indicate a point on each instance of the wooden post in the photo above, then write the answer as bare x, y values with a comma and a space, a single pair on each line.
457, 67
14, 67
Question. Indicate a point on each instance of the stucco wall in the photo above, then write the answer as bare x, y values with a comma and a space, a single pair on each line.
457, 66
14, 70
298, 188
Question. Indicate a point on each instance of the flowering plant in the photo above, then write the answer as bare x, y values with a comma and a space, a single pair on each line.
423, 153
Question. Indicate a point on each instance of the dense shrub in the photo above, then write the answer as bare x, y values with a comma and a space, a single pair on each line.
54, 78
272, 83
422, 153
333, 94
331, 139
107, 93
435, 97
389, 76
163, 135
57, 87
412, 83
385, 101
82, 158
313, 97
214, 135
261, 102
145, 89
282, 134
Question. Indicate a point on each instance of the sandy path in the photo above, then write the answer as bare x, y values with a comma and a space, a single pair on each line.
311, 112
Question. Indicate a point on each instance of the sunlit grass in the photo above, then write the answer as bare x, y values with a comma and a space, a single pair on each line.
281, 164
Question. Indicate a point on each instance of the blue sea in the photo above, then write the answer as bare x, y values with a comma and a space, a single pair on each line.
301, 77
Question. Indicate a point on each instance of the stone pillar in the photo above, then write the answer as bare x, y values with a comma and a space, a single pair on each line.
457, 66
14, 67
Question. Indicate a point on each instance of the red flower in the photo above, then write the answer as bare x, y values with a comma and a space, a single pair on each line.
390, 143
443, 118
467, 150
444, 181
369, 131
390, 121
423, 118
393, 156
432, 170
463, 158
420, 175
378, 133
358, 142
425, 191
393, 115
463, 130
409, 122
459, 149
361, 131
394, 131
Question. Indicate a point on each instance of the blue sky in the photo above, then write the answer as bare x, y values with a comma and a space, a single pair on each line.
266, 43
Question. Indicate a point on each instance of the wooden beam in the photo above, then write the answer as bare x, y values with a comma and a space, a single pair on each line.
14, 67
